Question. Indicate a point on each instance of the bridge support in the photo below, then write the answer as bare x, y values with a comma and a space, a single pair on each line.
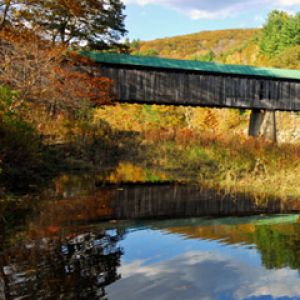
263, 123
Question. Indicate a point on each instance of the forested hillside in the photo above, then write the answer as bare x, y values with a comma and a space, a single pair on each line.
277, 44
227, 46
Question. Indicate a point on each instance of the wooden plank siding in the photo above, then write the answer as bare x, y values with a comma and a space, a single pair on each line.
180, 87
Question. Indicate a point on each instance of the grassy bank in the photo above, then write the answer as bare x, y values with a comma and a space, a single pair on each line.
235, 164
212, 148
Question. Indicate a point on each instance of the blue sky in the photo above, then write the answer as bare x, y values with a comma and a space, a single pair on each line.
151, 19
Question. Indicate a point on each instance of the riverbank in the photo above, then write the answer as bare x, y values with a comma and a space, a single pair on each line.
236, 164
228, 166
234, 174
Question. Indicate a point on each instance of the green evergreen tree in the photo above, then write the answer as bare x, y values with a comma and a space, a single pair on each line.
272, 37
291, 32
280, 39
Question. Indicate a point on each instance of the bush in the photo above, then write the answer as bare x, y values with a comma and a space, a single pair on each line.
22, 154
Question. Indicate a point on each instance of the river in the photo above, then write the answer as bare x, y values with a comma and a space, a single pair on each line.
87, 239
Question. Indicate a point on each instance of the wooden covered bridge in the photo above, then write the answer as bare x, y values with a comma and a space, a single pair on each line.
153, 80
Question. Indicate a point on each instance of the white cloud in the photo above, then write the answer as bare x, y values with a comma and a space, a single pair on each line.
203, 275
259, 18
214, 9
197, 14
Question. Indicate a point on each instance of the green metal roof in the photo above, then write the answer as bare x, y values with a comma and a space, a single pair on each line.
189, 65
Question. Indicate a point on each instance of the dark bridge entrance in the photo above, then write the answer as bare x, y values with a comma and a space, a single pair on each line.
180, 82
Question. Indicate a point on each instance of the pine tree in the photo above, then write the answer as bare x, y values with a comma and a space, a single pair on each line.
280, 33
273, 32
291, 32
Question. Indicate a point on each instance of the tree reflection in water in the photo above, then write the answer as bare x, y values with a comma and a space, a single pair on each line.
78, 267
83, 263
278, 244
44, 261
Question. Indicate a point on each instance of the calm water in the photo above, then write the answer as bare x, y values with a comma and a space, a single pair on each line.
197, 258
87, 240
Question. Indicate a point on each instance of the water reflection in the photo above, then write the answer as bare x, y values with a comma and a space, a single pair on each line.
94, 199
205, 275
201, 258
79, 266
70, 250
278, 244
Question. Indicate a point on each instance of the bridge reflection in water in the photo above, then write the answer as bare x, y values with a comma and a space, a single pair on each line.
164, 200
68, 251
177, 200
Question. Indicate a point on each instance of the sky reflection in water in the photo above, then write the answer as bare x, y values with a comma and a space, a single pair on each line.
200, 258
160, 265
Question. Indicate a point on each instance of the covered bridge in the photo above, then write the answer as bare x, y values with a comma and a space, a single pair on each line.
152, 80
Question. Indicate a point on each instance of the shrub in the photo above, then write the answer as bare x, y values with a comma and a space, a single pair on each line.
22, 155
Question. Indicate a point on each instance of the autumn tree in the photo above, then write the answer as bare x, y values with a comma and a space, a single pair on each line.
48, 75
96, 24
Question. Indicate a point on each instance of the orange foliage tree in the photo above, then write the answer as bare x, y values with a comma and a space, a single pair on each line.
49, 75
